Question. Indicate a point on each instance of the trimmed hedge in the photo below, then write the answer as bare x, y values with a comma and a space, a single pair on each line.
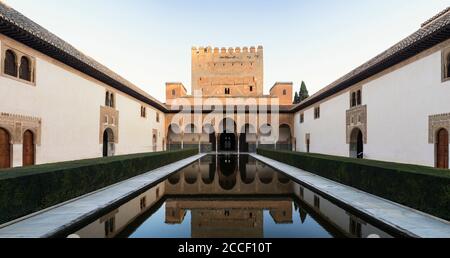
30, 189
423, 188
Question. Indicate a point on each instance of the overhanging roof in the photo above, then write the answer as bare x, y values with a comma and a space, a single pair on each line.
18, 27
430, 34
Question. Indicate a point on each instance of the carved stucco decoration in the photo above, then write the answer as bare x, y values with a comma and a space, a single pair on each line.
109, 118
435, 123
357, 118
17, 125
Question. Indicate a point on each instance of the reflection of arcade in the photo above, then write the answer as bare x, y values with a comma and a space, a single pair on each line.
229, 218
240, 215
235, 176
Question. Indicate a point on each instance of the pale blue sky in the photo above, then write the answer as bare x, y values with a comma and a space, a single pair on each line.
148, 41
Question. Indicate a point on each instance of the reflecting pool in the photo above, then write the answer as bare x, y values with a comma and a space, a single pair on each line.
230, 196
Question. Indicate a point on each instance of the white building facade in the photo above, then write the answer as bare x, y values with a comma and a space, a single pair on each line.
52, 109
394, 108
56, 104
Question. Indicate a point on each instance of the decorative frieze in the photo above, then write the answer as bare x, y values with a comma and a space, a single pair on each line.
109, 118
17, 125
435, 123
357, 118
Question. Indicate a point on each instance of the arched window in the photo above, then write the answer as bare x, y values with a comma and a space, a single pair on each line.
448, 66
353, 100
10, 63
25, 69
112, 102
107, 97
358, 98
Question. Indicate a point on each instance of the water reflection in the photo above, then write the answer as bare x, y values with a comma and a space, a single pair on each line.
229, 196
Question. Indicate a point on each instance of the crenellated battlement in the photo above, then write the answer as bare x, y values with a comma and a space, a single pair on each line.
230, 72
227, 51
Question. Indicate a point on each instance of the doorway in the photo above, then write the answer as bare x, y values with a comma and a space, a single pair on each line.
28, 149
357, 144
5, 149
442, 149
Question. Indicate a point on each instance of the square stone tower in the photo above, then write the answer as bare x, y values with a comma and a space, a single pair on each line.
232, 72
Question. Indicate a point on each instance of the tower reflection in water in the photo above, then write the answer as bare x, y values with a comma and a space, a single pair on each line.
229, 196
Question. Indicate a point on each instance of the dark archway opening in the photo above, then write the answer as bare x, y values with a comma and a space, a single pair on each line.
357, 144
212, 141
108, 143
228, 171
243, 144
227, 142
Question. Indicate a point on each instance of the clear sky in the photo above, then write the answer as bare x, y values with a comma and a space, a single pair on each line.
148, 41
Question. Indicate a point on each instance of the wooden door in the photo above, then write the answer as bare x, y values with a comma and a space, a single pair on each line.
5, 149
442, 149
28, 149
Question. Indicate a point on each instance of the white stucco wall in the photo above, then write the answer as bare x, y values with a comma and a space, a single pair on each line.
399, 104
135, 132
327, 134
69, 105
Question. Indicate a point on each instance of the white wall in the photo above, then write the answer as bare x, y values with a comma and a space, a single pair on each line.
399, 104
69, 105
135, 132
328, 134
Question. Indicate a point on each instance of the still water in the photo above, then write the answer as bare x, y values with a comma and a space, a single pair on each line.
230, 196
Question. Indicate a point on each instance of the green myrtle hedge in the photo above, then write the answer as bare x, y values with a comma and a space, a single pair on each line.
30, 189
423, 188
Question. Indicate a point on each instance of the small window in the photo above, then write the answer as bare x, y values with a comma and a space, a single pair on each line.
317, 202
447, 65
107, 97
25, 69
284, 92
251, 88
157, 193
112, 101
355, 228
143, 203
157, 117
110, 226
10, 63
143, 112
317, 113
174, 92
359, 98
227, 91
353, 100
302, 118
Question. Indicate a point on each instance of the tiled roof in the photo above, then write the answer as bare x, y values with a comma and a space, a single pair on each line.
20, 28
433, 32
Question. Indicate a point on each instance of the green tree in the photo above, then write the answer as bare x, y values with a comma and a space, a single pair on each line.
296, 98
303, 92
